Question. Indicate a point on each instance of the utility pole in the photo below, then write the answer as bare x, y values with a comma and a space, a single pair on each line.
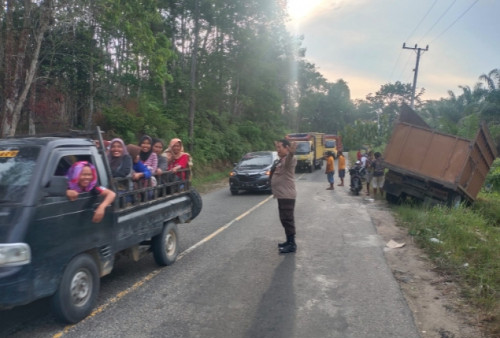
419, 50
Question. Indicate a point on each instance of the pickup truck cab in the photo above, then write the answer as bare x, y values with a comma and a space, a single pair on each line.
49, 245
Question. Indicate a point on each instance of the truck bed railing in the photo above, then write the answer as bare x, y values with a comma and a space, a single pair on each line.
131, 194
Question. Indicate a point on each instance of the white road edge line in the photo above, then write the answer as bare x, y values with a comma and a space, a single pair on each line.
152, 274
221, 229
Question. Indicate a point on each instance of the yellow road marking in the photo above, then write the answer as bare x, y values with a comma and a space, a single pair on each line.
151, 275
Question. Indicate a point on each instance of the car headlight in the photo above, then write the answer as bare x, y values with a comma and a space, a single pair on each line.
232, 173
15, 254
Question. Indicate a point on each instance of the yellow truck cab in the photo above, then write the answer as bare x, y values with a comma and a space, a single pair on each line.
333, 143
310, 150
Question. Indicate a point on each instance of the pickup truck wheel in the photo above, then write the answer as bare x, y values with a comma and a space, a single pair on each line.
234, 192
165, 245
197, 203
77, 293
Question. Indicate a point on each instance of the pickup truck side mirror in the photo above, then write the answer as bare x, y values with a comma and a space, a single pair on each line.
57, 186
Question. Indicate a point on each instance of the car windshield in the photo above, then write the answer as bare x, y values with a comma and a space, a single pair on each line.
16, 169
256, 161
303, 148
330, 144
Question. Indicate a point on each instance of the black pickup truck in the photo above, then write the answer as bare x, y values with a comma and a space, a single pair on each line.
49, 245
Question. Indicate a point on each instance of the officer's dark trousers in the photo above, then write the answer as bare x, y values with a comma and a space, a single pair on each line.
286, 209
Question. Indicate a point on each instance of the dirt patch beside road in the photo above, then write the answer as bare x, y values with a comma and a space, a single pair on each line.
433, 298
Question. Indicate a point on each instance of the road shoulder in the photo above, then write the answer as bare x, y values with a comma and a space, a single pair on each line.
433, 298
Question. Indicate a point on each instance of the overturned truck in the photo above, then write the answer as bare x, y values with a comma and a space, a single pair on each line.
435, 167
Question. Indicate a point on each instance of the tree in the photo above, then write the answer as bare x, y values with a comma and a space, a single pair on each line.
25, 25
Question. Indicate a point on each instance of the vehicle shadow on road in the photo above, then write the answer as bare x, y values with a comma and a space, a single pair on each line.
275, 314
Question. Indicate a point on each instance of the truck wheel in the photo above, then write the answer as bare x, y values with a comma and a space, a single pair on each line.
392, 199
197, 203
165, 245
310, 168
454, 200
77, 293
234, 192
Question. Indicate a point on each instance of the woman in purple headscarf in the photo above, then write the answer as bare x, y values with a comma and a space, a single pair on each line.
82, 177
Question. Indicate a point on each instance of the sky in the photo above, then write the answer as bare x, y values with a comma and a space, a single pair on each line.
361, 42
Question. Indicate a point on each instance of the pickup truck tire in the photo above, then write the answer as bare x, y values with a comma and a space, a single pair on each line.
197, 202
77, 293
165, 246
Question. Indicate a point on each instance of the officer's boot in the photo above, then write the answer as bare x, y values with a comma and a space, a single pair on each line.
280, 245
290, 246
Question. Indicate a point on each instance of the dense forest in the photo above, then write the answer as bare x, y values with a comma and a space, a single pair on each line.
224, 75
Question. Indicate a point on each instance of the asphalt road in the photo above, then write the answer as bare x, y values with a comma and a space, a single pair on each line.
230, 281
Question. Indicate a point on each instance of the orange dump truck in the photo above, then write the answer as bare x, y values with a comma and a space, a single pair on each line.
435, 167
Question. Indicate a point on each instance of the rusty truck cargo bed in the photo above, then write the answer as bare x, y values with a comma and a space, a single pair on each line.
454, 162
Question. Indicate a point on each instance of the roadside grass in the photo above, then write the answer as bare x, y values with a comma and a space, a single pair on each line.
464, 243
201, 183
204, 179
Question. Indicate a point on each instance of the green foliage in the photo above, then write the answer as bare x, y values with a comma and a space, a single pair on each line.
462, 242
493, 178
119, 122
133, 119
488, 205
156, 124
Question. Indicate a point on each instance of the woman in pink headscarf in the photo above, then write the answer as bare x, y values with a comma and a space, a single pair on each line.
180, 159
82, 177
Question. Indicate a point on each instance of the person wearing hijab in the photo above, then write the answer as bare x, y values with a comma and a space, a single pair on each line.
120, 161
162, 160
147, 156
139, 168
180, 159
168, 155
82, 177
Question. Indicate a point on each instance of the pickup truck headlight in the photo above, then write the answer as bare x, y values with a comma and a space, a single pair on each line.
15, 254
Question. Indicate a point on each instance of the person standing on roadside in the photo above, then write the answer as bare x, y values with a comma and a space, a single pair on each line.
283, 187
341, 164
367, 164
378, 174
330, 169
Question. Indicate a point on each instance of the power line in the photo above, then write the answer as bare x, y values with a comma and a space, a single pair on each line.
407, 39
439, 19
421, 20
451, 25
405, 67
414, 87
395, 65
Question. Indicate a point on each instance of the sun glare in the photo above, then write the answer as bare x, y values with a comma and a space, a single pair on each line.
300, 9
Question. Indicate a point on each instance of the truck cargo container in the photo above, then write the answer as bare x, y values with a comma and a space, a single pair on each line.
435, 167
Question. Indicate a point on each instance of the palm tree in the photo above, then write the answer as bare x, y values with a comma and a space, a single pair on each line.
490, 79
